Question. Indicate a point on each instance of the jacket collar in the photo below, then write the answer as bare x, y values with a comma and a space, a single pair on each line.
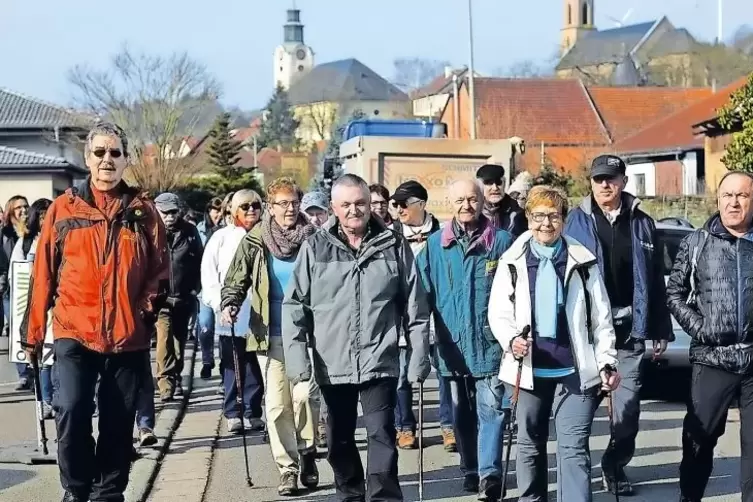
576, 252
486, 238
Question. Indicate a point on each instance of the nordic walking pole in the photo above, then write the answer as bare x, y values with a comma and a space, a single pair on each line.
239, 399
421, 440
41, 431
612, 445
513, 414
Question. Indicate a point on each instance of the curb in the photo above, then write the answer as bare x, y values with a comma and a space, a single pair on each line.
144, 471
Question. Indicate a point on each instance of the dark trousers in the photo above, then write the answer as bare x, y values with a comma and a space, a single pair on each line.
95, 472
378, 403
405, 420
711, 394
172, 333
627, 406
251, 379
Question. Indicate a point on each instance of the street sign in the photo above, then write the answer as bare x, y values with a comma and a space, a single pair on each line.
19, 297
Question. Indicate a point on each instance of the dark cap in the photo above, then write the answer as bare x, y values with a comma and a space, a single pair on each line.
490, 172
410, 189
167, 202
608, 165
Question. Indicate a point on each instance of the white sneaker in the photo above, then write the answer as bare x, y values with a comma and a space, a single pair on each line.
254, 424
234, 425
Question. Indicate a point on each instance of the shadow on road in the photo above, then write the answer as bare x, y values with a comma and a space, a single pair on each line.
13, 477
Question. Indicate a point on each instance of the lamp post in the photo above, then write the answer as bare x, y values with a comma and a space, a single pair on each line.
471, 89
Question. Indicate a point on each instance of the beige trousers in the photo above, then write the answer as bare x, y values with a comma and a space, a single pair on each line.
292, 416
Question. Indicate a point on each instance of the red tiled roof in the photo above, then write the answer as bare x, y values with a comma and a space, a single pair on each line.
572, 158
627, 110
244, 133
555, 111
437, 84
676, 131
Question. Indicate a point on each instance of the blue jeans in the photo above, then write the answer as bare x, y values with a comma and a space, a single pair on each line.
21, 368
479, 424
445, 395
252, 382
46, 380
206, 334
145, 399
405, 420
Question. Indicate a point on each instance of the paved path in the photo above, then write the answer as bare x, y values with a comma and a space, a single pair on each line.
205, 463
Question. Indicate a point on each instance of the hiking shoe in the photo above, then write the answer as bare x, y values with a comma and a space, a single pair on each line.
166, 395
490, 489
23, 384
618, 486
47, 412
470, 483
254, 424
321, 436
406, 440
69, 497
147, 437
206, 371
448, 439
178, 389
221, 390
309, 472
234, 425
288, 484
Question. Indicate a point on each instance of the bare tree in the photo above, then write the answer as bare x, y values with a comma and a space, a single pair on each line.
158, 101
318, 119
413, 73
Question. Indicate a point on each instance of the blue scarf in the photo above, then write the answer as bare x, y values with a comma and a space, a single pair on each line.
549, 292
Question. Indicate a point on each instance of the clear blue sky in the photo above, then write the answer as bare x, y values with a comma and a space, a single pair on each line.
40, 40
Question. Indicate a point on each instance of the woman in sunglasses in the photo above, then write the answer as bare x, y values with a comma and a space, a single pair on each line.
244, 211
263, 266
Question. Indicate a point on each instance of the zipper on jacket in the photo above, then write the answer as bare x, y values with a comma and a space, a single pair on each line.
569, 331
739, 294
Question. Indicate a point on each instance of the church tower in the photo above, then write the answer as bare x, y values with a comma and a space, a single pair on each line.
579, 20
293, 59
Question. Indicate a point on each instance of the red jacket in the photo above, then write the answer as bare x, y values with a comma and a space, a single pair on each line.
102, 275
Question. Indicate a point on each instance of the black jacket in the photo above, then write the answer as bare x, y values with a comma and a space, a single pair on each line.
508, 216
184, 245
720, 318
8, 239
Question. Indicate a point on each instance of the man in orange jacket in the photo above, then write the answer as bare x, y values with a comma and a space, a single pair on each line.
100, 272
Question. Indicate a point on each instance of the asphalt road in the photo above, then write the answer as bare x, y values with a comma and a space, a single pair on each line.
654, 469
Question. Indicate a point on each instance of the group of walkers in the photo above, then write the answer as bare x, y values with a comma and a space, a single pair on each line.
320, 305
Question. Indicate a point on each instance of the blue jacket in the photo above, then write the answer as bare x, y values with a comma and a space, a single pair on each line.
651, 318
458, 282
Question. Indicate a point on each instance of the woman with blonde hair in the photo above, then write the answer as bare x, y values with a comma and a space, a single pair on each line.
243, 212
551, 284
263, 265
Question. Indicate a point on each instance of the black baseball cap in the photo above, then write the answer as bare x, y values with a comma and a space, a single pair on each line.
490, 172
410, 189
608, 166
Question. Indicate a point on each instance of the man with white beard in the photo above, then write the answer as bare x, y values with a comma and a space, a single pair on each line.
499, 207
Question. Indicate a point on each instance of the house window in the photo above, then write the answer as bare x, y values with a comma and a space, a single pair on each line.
585, 15
569, 14
640, 184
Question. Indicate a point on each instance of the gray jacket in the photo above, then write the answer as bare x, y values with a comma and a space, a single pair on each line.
347, 305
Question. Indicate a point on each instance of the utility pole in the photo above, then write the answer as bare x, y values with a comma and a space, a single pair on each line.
471, 88
719, 23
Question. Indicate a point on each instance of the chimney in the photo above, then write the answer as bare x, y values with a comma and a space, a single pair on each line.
448, 71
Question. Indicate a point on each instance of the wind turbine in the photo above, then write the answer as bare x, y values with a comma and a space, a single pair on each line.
619, 23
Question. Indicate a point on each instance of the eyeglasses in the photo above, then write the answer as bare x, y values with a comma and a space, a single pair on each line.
287, 203
101, 152
540, 217
256, 206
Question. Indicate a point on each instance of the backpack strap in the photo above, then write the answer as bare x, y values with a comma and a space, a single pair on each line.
514, 279
698, 243
583, 273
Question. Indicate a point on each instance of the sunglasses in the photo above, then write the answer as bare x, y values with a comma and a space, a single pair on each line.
403, 204
256, 206
101, 152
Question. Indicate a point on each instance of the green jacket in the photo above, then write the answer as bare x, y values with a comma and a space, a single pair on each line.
249, 271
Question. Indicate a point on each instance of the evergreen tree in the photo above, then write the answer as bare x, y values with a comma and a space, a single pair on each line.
737, 116
331, 168
279, 125
224, 151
